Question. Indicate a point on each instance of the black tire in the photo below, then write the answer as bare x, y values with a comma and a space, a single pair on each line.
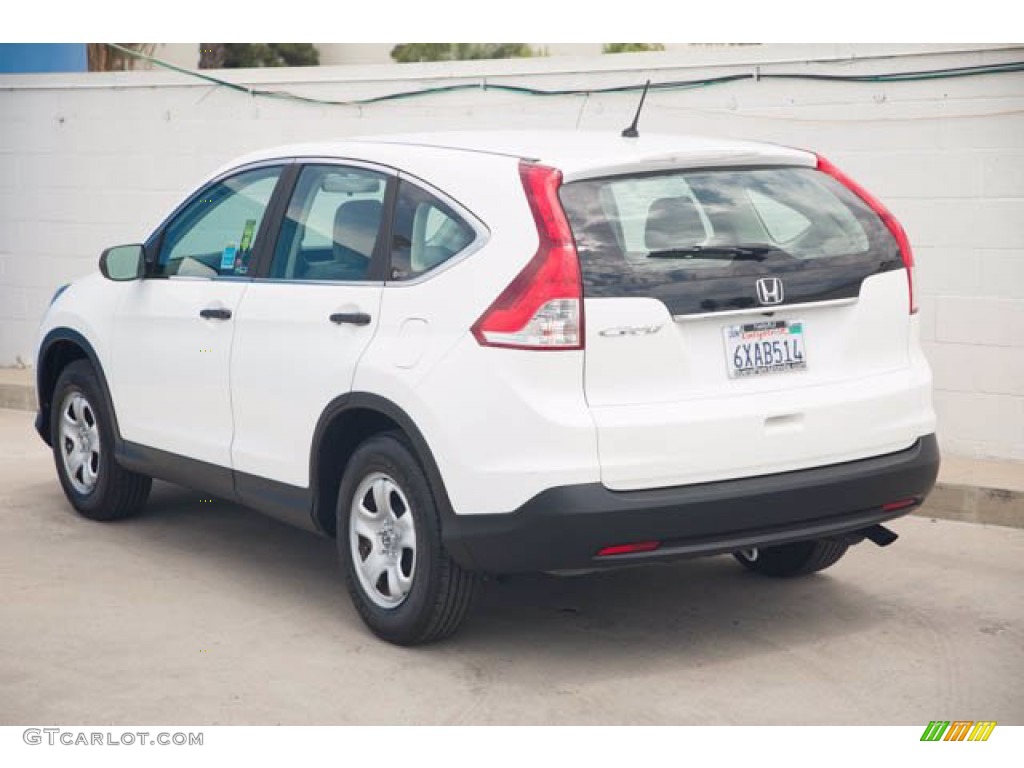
441, 592
116, 492
797, 559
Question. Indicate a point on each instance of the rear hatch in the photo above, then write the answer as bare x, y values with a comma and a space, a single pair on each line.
740, 321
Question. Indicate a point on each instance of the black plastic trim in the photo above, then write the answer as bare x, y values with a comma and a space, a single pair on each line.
210, 478
279, 202
288, 503
42, 422
380, 263
367, 401
350, 318
564, 528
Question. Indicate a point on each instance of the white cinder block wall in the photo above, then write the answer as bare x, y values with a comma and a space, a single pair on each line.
87, 161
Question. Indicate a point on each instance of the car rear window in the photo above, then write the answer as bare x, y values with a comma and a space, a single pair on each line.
639, 235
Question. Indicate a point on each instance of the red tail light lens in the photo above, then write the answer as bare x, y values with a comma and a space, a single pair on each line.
884, 214
542, 308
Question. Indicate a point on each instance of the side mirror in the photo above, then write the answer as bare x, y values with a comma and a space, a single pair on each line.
123, 262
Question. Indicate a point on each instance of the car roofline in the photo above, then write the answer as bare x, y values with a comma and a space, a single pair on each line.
575, 165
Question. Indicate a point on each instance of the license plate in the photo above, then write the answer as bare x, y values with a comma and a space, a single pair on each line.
756, 349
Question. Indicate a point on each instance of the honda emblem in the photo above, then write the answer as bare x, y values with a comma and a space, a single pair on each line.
769, 290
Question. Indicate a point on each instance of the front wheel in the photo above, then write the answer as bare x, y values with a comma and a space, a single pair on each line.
82, 436
403, 583
797, 559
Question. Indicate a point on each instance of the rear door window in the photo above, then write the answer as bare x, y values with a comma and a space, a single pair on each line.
332, 225
695, 238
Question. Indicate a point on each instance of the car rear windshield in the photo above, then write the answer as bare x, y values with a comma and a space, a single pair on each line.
637, 235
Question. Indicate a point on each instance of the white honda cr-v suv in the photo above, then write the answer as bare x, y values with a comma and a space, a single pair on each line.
486, 353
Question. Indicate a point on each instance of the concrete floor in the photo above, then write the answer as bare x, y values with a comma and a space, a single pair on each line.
210, 614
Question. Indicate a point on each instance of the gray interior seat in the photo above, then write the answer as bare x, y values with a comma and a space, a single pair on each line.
673, 222
356, 228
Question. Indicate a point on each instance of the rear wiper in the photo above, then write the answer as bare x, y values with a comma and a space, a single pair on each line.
724, 252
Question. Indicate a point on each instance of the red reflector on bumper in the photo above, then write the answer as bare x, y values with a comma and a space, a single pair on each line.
625, 549
893, 506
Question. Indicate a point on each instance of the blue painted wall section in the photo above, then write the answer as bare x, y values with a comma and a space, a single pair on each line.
42, 57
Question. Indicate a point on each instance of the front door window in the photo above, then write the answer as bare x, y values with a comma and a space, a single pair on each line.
215, 234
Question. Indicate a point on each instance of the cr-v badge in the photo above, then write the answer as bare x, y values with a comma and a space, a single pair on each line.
769, 290
636, 330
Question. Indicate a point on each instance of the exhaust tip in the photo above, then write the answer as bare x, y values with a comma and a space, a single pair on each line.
880, 535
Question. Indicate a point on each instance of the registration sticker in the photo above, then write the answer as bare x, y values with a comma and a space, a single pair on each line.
247, 233
227, 258
755, 349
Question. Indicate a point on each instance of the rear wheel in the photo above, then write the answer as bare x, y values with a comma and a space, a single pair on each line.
403, 583
797, 559
82, 436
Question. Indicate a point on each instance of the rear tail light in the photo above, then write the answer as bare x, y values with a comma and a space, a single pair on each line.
884, 214
542, 308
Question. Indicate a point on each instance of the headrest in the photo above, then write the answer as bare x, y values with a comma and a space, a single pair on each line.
673, 222
356, 225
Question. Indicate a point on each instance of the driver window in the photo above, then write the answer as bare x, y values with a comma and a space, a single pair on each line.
215, 234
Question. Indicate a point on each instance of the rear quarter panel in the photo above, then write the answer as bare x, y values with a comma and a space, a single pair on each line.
502, 424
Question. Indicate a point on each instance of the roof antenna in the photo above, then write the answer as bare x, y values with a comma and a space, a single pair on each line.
631, 132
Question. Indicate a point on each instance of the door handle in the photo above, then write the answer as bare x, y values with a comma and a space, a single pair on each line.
352, 318
215, 314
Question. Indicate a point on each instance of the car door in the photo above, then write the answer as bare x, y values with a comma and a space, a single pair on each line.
305, 321
174, 330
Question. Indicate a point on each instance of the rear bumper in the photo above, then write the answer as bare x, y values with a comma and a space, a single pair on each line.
565, 527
